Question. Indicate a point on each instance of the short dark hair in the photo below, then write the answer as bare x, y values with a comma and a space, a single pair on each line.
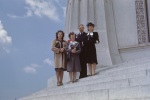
61, 32
90, 24
71, 33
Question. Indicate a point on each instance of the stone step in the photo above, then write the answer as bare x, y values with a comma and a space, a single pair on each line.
132, 63
105, 79
145, 98
125, 65
122, 68
89, 87
127, 93
110, 78
145, 66
130, 77
104, 70
102, 80
122, 73
130, 92
100, 86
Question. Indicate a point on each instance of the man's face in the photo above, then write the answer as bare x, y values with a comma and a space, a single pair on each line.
81, 28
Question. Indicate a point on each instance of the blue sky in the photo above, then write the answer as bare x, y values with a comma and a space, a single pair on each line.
27, 28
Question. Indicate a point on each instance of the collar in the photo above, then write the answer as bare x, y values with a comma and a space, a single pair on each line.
90, 33
73, 42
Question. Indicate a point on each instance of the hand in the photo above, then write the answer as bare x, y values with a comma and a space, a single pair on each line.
73, 50
62, 50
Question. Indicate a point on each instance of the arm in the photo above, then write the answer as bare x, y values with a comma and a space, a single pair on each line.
79, 50
53, 48
67, 48
63, 49
97, 38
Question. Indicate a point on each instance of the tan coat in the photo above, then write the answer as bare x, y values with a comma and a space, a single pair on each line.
59, 58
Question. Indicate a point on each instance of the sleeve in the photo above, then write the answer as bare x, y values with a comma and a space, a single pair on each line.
65, 45
53, 48
97, 38
79, 50
67, 48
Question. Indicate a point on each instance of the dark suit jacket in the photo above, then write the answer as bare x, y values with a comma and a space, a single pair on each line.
81, 38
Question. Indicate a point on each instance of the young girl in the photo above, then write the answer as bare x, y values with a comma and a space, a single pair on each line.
73, 64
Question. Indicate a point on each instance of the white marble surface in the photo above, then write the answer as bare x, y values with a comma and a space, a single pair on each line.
116, 83
115, 22
85, 11
125, 22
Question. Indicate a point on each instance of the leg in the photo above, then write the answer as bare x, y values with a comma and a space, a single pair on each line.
83, 72
74, 76
94, 68
71, 76
90, 69
57, 75
61, 76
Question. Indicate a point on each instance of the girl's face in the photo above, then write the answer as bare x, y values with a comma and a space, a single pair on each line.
72, 37
60, 35
91, 28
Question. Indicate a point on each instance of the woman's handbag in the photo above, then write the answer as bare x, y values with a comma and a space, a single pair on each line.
57, 45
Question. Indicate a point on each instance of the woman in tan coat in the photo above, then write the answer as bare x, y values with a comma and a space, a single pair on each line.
58, 47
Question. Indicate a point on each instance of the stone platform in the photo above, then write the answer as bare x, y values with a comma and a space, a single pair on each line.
126, 81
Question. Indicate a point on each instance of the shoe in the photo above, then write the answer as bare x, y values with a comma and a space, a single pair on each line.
58, 83
75, 80
71, 82
61, 83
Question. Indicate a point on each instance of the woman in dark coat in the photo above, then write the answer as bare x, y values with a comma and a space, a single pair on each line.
73, 64
91, 56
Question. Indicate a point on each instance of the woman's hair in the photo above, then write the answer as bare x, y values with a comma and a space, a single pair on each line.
62, 34
71, 33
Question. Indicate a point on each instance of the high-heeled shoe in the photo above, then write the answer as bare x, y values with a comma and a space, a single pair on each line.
70, 82
61, 83
58, 83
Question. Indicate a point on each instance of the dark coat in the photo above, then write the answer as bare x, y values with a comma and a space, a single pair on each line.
91, 56
81, 38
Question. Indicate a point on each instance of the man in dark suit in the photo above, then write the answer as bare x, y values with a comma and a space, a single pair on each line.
81, 37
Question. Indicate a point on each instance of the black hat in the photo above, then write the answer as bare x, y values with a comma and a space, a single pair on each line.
90, 24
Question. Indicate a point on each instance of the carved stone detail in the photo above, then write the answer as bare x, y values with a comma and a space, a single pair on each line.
141, 21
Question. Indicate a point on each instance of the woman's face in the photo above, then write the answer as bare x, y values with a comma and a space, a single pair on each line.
72, 37
60, 35
91, 28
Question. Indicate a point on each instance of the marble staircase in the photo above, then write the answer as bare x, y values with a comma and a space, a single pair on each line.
126, 81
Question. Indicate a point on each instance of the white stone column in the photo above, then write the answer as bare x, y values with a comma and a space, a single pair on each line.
69, 12
75, 16
90, 10
83, 18
111, 30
